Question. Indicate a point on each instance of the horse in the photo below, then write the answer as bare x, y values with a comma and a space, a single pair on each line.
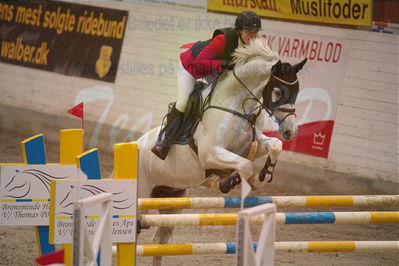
228, 137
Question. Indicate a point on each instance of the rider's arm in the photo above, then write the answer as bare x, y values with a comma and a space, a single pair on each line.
205, 59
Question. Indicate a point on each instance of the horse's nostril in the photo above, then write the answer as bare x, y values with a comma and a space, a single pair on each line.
288, 134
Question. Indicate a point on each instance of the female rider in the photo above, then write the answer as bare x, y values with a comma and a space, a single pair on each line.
205, 59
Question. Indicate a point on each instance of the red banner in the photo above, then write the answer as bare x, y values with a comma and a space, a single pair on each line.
312, 138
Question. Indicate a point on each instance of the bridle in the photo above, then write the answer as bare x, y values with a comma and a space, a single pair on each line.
252, 116
269, 110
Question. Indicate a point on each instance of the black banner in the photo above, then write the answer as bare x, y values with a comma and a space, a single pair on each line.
67, 38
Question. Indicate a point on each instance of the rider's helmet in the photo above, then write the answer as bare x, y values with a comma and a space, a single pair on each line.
248, 20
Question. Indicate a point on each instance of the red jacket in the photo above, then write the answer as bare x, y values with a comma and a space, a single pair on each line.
205, 63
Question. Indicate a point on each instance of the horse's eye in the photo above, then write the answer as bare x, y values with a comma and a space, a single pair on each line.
276, 95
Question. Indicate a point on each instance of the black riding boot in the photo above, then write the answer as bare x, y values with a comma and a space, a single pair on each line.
173, 121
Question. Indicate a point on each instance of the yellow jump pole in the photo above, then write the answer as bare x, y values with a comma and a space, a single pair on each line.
71, 145
126, 167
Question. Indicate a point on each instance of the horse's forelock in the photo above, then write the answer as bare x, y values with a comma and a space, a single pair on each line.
286, 69
257, 47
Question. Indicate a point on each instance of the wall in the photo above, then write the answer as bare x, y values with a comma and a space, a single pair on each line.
365, 138
386, 11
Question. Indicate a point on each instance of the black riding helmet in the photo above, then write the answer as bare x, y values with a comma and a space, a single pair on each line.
248, 20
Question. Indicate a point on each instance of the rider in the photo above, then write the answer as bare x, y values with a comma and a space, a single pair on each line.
205, 59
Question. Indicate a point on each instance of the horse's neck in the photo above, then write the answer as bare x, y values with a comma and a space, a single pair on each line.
231, 93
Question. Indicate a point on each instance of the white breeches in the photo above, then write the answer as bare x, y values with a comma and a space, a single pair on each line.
185, 85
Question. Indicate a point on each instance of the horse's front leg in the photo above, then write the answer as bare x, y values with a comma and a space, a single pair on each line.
220, 158
165, 232
163, 235
268, 145
272, 147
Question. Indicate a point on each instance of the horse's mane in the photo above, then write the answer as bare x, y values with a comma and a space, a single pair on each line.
257, 47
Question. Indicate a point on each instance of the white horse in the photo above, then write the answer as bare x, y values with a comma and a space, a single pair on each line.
224, 137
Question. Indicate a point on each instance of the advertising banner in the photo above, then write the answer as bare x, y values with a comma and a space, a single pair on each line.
66, 192
66, 38
320, 84
346, 12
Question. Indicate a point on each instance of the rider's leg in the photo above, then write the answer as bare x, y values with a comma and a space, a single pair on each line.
185, 86
185, 82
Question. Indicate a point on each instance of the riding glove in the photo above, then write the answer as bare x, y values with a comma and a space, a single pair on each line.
228, 65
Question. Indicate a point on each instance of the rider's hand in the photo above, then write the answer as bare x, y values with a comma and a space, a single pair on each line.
228, 65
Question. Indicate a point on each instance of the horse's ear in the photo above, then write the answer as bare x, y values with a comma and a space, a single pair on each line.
300, 65
276, 67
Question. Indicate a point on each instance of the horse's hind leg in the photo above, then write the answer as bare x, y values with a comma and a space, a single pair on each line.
164, 233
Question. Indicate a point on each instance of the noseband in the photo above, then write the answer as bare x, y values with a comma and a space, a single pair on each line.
289, 111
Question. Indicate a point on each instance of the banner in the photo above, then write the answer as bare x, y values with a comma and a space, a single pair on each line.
67, 38
346, 12
65, 192
25, 192
320, 84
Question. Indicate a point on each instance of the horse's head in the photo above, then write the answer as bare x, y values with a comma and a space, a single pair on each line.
279, 96
260, 70
13, 183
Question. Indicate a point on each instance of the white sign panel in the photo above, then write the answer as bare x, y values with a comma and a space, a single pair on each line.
124, 193
25, 192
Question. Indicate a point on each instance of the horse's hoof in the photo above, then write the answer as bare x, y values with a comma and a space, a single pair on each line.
262, 176
161, 151
226, 185
140, 227
266, 170
224, 189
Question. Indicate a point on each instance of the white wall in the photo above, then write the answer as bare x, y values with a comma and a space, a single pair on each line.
365, 138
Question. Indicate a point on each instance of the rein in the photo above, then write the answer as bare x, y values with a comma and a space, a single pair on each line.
250, 117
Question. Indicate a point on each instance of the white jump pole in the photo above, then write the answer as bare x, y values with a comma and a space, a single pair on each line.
264, 254
85, 251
